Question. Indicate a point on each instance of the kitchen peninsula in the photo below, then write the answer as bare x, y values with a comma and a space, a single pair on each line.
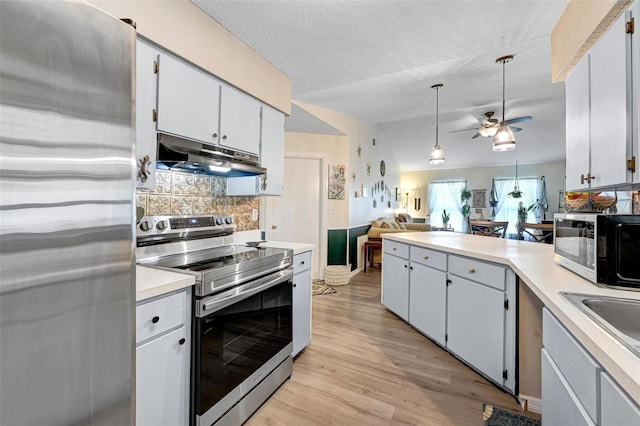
533, 264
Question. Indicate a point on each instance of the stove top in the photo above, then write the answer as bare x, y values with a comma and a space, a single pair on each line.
203, 246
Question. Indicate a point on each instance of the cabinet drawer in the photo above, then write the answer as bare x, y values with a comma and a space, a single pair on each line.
485, 273
301, 262
435, 259
160, 315
396, 249
616, 407
577, 366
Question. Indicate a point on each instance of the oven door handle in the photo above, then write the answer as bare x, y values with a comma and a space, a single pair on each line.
229, 297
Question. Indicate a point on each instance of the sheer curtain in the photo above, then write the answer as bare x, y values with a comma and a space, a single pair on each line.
446, 196
507, 209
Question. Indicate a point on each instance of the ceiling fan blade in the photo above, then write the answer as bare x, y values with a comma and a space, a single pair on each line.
476, 135
463, 130
515, 129
517, 120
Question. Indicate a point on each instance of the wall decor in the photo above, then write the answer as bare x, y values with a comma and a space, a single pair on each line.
479, 198
336, 182
368, 169
359, 151
397, 194
382, 168
374, 142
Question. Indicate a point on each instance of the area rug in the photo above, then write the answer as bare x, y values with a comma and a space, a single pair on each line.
496, 416
318, 287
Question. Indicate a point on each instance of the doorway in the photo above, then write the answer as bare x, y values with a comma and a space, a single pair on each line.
298, 214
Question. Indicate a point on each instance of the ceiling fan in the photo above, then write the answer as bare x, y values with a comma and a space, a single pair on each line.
489, 126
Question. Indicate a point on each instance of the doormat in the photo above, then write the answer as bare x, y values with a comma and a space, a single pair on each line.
496, 416
318, 287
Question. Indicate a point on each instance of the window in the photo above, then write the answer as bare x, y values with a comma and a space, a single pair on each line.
446, 196
507, 209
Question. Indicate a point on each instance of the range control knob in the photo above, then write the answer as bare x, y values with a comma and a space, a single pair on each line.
219, 221
160, 226
144, 225
228, 220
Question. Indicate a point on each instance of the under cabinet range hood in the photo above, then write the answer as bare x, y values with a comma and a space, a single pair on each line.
196, 157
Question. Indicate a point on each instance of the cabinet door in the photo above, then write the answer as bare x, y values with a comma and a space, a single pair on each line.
560, 406
162, 380
301, 311
475, 325
146, 89
239, 121
395, 285
578, 122
609, 119
428, 301
616, 408
188, 101
272, 151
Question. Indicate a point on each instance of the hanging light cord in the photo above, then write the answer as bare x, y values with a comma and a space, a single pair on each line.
437, 113
504, 61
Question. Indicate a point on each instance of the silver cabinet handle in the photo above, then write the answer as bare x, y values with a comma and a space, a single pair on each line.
472, 271
426, 257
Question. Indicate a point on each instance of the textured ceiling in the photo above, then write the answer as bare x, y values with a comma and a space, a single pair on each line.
378, 59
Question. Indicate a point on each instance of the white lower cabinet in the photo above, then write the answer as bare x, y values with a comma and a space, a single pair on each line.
616, 407
395, 285
428, 301
576, 390
475, 325
560, 405
301, 301
163, 347
471, 317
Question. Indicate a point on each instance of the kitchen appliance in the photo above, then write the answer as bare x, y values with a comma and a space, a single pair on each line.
242, 329
603, 248
195, 157
66, 215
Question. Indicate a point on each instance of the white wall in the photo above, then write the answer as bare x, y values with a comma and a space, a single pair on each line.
480, 177
360, 134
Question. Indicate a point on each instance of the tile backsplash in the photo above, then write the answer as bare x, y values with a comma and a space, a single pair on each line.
183, 193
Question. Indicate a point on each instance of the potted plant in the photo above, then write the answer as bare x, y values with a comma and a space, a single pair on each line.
465, 196
522, 212
445, 219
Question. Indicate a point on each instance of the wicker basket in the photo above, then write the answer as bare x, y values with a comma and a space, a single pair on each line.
593, 203
337, 274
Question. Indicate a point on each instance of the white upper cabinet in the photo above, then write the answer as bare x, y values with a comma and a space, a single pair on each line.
610, 121
188, 101
578, 125
146, 86
601, 130
272, 152
239, 121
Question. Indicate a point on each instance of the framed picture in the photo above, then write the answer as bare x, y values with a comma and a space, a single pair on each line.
336, 182
479, 198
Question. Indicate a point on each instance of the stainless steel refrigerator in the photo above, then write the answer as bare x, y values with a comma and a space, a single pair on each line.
67, 292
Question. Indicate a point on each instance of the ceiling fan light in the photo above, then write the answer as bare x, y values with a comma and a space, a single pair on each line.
504, 139
488, 132
437, 155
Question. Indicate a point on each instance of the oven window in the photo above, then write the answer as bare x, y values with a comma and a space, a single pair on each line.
236, 341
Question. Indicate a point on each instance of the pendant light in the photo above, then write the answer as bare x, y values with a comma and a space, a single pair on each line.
504, 139
437, 153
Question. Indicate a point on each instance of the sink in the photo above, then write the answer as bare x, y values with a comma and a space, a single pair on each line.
620, 317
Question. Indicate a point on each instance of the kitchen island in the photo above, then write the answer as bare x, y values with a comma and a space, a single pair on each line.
533, 263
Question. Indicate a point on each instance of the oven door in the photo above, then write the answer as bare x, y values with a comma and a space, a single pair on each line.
241, 336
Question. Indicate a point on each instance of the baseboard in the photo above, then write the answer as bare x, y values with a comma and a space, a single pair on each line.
531, 403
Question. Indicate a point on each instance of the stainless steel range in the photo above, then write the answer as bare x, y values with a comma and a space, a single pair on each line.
242, 331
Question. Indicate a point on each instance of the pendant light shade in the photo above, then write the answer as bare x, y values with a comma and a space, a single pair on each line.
437, 153
504, 139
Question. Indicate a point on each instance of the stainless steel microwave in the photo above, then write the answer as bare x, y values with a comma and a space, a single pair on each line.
602, 248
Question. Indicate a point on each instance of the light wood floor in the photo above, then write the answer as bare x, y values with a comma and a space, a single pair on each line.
365, 366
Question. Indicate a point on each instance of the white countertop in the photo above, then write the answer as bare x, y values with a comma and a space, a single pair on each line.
296, 247
152, 282
534, 264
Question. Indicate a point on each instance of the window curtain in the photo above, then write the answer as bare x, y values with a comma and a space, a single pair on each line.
507, 209
446, 196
